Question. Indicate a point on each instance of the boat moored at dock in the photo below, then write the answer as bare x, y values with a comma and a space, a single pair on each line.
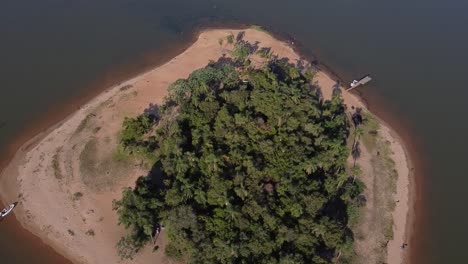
361, 81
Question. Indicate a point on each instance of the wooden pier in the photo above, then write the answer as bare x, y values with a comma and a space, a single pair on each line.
359, 82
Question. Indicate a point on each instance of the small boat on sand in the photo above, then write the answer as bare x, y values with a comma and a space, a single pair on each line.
7, 210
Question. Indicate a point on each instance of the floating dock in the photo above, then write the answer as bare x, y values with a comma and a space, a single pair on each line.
359, 82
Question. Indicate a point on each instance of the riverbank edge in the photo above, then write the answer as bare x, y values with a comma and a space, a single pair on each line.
29, 144
410, 195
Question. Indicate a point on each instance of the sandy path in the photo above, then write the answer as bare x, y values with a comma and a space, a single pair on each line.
49, 206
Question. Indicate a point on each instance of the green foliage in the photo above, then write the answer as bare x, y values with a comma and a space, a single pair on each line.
135, 139
259, 28
310, 73
134, 129
252, 171
264, 53
370, 130
230, 39
128, 246
240, 52
139, 210
356, 171
120, 154
355, 201
139, 207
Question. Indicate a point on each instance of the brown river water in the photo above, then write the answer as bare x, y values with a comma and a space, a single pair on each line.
55, 55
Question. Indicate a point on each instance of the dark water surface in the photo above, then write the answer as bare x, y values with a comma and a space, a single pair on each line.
54, 51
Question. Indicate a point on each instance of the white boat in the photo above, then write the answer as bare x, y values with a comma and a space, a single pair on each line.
354, 83
358, 82
7, 210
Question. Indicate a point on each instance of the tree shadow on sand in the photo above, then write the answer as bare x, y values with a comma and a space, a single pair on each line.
336, 89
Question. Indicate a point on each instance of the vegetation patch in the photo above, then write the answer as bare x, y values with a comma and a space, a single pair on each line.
259, 28
127, 96
370, 130
136, 140
77, 196
56, 166
264, 53
120, 154
125, 87
98, 167
250, 168
90, 232
84, 123
230, 39
240, 52
384, 178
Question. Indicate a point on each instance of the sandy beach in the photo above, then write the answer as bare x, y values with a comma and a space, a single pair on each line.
395, 254
66, 178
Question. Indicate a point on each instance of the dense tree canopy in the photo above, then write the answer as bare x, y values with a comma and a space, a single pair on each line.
250, 169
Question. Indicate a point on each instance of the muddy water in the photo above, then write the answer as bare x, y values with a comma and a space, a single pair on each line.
53, 52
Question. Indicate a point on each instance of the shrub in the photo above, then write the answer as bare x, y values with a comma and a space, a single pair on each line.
77, 196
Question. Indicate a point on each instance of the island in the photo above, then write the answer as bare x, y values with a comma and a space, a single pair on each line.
238, 150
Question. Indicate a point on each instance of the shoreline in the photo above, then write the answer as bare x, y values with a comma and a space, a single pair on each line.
415, 215
409, 198
9, 186
114, 90
402, 130
38, 130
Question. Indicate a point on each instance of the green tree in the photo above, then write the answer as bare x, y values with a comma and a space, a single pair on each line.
134, 129
253, 170
230, 39
240, 52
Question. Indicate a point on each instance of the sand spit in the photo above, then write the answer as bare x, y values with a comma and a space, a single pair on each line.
66, 179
